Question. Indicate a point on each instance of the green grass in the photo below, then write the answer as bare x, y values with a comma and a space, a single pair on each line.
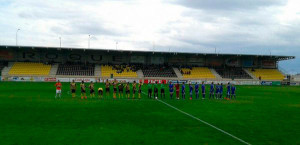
260, 115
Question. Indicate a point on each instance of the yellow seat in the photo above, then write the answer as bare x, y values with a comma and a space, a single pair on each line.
106, 71
29, 68
267, 74
198, 73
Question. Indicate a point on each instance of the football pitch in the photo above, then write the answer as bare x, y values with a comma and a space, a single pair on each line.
260, 115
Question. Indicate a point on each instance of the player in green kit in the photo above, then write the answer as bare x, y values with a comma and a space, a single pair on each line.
162, 90
156, 90
149, 90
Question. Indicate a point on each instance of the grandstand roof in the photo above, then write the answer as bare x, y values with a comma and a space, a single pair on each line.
277, 57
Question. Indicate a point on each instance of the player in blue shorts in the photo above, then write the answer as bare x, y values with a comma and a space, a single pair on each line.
191, 91
171, 89
221, 91
228, 91
183, 90
233, 89
217, 90
203, 90
212, 90
197, 90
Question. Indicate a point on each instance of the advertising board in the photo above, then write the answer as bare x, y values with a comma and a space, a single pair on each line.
49, 79
266, 83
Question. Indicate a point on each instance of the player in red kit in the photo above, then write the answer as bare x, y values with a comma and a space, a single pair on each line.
58, 89
177, 90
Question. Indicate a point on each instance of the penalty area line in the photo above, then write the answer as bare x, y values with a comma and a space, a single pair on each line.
242, 141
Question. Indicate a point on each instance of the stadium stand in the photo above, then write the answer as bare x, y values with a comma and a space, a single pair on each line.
197, 72
233, 73
136, 64
158, 71
76, 69
119, 71
29, 68
267, 74
1, 67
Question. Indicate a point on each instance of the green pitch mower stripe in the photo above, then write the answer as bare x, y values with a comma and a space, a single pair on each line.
242, 141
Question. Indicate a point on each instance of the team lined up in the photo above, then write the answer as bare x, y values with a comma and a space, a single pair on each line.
215, 91
118, 89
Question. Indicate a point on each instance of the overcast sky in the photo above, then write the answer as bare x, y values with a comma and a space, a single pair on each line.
231, 26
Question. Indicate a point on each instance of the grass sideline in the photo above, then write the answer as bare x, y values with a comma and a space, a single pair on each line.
260, 115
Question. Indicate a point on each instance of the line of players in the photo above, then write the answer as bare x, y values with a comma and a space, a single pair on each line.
216, 91
118, 88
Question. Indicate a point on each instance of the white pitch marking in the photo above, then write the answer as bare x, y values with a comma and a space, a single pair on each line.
242, 141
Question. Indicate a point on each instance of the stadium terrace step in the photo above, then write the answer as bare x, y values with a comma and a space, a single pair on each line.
218, 77
250, 74
178, 73
97, 70
53, 70
6, 69
140, 73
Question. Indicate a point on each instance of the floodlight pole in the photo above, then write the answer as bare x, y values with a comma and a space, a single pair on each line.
89, 42
17, 37
59, 42
117, 45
